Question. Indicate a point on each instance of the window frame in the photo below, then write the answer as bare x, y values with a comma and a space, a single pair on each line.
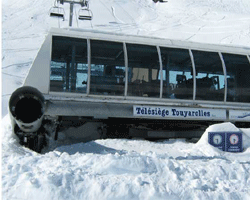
226, 83
158, 47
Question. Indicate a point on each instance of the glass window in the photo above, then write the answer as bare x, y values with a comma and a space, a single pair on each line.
69, 66
107, 68
238, 82
210, 80
143, 70
177, 74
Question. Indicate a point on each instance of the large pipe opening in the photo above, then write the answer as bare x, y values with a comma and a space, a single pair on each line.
28, 110
27, 107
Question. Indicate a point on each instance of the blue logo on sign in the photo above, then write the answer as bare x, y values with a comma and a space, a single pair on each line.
244, 116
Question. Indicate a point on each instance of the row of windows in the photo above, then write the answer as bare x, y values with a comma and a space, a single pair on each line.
176, 80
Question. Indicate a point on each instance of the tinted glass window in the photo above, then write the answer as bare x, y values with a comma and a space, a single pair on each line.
210, 80
107, 68
238, 82
143, 69
177, 74
68, 65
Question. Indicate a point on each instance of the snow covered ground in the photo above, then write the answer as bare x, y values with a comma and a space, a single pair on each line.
126, 169
122, 169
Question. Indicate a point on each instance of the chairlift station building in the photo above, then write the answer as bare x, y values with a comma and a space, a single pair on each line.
113, 85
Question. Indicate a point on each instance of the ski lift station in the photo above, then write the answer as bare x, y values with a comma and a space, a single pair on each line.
89, 85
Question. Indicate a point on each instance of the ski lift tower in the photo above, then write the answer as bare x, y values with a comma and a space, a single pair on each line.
83, 3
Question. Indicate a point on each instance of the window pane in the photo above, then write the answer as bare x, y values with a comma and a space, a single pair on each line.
68, 65
143, 69
177, 74
238, 70
57, 76
210, 81
107, 68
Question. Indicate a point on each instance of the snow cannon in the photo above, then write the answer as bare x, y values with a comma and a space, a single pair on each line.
27, 106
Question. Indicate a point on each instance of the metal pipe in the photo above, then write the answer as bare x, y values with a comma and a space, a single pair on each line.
225, 75
194, 73
161, 71
89, 66
126, 68
27, 107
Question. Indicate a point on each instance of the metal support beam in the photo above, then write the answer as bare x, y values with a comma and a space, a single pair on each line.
126, 68
71, 13
89, 66
161, 71
225, 75
194, 73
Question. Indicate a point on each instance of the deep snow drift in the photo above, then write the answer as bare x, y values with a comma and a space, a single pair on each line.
127, 169
123, 169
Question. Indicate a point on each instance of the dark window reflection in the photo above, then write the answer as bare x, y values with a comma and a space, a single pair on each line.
238, 82
143, 68
177, 73
210, 80
107, 68
68, 65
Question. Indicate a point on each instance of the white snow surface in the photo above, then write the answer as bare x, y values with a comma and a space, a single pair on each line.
119, 168
126, 169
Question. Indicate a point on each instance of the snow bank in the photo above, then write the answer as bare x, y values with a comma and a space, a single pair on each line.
246, 138
204, 147
125, 169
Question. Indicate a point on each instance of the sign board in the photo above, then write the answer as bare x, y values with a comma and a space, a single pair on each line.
179, 112
217, 139
234, 142
239, 115
226, 141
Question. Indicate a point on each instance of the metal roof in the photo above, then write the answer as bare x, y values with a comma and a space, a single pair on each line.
164, 42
